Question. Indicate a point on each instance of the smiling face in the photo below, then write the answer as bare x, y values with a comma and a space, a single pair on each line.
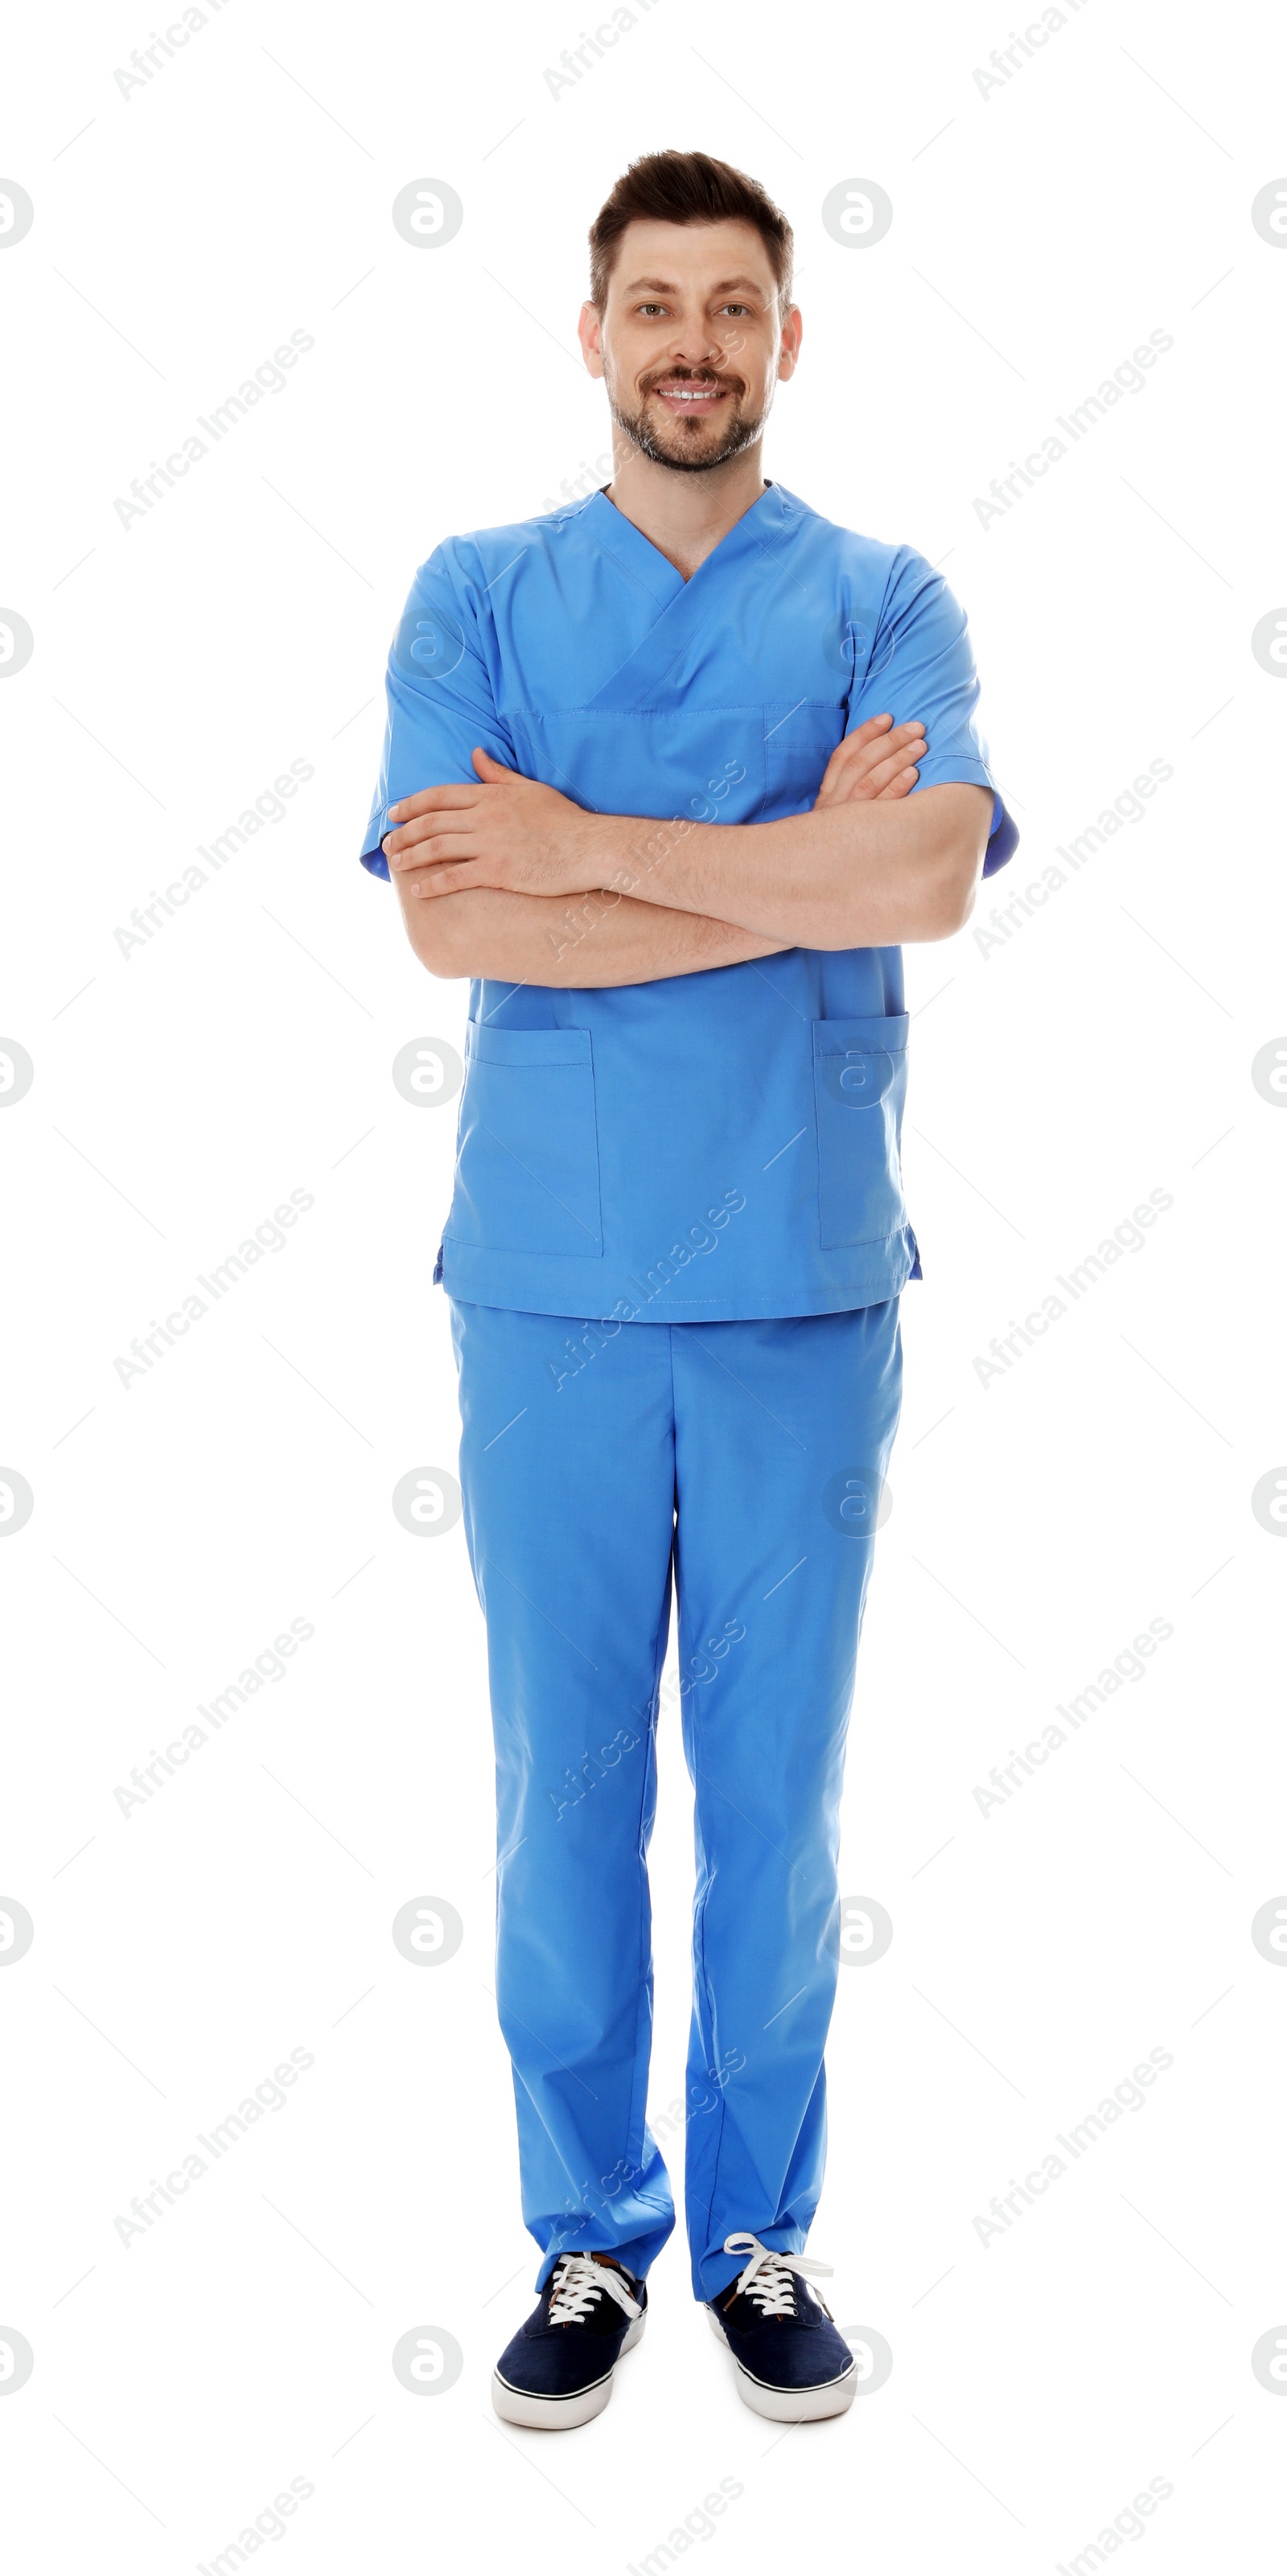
691, 341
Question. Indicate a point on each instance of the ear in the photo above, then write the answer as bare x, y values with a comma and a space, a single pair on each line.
589, 331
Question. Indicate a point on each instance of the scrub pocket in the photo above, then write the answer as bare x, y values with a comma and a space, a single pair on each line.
859, 1083
795, 760
527, 1162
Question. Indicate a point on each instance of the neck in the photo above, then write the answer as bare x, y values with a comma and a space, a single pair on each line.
684, 515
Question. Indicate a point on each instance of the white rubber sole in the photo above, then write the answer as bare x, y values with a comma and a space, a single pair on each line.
560, 2414
788, 2405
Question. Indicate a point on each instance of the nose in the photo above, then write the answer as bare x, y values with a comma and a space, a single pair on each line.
694, 346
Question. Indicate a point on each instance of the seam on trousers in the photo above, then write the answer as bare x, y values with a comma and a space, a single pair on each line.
650, 1757
699, 1946
699, 1929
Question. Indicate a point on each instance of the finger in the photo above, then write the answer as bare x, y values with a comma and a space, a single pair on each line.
886, 771
853, 747
452, 878
863, 748
430, 854
433, 800
409, 836
847, 767
862, 791
489, 768
864, 779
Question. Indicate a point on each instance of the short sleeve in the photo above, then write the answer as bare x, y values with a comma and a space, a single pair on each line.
439, 695
922, 665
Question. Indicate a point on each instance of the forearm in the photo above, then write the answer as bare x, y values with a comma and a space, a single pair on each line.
871, 866
860, 875
572, 941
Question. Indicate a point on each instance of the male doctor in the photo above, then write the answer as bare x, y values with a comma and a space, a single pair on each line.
670, 774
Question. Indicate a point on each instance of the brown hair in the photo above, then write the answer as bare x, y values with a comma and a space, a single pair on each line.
687, 188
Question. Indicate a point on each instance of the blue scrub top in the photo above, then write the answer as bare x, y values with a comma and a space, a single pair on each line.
710, 1146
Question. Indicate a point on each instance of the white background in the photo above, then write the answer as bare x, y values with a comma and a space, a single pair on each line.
1040, 1521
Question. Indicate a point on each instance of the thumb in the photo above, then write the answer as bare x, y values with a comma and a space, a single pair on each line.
487, 768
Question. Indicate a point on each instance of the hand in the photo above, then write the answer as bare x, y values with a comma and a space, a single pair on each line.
509, 832
873, 764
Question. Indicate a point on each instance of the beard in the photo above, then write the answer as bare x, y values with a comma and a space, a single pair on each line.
672, 442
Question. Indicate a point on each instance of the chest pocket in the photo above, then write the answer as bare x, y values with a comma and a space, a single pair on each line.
859, 1084
527, 1163
795, 756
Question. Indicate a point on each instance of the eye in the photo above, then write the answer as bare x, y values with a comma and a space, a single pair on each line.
650, 309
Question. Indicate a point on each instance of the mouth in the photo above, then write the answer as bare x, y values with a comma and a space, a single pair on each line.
686, 397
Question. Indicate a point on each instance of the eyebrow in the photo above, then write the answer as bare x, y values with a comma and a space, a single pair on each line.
666, 286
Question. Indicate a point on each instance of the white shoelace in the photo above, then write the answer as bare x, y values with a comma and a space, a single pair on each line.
767, 2277
578, 2280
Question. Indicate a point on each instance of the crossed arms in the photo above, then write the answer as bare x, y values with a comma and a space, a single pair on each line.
509, 880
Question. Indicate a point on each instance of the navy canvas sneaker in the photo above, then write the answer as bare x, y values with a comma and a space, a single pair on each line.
792, 2362
558, 2369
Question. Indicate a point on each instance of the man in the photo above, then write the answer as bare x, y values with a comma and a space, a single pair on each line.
669, 775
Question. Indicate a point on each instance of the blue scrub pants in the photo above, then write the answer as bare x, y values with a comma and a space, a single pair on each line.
746, 1458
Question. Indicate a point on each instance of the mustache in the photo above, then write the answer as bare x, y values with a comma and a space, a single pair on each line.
692, 376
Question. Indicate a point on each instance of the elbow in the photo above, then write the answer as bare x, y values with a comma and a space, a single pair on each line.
433, 934
440, 960
954, 905
948, 890
954, 821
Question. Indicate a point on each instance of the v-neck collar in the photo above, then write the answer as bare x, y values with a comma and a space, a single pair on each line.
683, 615
767, 518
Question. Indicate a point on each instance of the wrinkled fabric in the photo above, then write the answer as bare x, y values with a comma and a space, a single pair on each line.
720, 1145
747, 1461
